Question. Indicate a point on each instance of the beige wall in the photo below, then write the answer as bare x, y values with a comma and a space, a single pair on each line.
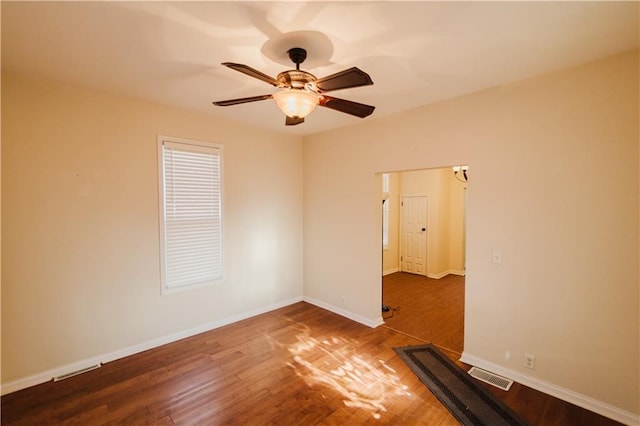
554, 186
80, 243
457, 231
390, 256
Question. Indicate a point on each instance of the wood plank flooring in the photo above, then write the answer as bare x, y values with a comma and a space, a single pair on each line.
299, 365
430, 309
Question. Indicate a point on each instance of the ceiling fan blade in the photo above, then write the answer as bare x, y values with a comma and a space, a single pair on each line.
242, 100
252, 72
348, 107
353, 77
292, 121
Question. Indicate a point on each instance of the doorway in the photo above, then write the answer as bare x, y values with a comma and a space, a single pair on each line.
423, 276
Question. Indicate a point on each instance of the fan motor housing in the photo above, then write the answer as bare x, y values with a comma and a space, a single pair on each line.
297, 79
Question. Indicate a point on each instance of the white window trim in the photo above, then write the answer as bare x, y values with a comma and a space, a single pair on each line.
162, 139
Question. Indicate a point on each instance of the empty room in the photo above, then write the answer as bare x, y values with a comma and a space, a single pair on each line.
191, 218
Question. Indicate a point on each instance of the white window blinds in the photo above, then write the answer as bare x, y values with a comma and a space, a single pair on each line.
191, 204
385, 183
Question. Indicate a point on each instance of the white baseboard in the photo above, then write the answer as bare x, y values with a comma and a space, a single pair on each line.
607, 410
444, 274
429, 275
370, 322
437, 276
390, 271
48, 375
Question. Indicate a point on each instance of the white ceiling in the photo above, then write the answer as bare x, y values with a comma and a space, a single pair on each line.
416, 52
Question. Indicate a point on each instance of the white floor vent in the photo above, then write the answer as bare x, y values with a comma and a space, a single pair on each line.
75, 373
492, 379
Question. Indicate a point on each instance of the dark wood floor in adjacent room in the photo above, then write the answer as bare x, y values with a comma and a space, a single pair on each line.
299, 365
430, 309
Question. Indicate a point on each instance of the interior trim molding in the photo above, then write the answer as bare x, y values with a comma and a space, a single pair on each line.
48, 375
591, 404
390, 271
369, 322
445, 273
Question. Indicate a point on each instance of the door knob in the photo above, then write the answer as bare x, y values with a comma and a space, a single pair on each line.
424, 229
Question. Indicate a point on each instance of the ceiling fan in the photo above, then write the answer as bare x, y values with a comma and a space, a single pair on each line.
300, 92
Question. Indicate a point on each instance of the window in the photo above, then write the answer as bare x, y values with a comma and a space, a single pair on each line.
385, 211
385, 184
190, 213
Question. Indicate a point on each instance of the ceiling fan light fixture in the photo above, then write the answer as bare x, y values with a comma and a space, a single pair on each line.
296, 103
300, 92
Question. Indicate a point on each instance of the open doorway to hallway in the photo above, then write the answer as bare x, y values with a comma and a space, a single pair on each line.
427, 308
423, 254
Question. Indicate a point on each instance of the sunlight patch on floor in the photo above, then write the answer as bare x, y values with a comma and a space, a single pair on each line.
335, 362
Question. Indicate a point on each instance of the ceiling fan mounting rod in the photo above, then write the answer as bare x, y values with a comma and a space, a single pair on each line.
297, 55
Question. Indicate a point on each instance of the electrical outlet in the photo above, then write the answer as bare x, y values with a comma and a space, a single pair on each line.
497, 256
343, 301
530, 361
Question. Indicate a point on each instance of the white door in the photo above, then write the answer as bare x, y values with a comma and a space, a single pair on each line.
413, 253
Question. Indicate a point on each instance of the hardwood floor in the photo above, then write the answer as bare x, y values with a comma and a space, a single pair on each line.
430, 309
299, 365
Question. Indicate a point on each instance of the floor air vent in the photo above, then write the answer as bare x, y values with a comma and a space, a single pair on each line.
492, 379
